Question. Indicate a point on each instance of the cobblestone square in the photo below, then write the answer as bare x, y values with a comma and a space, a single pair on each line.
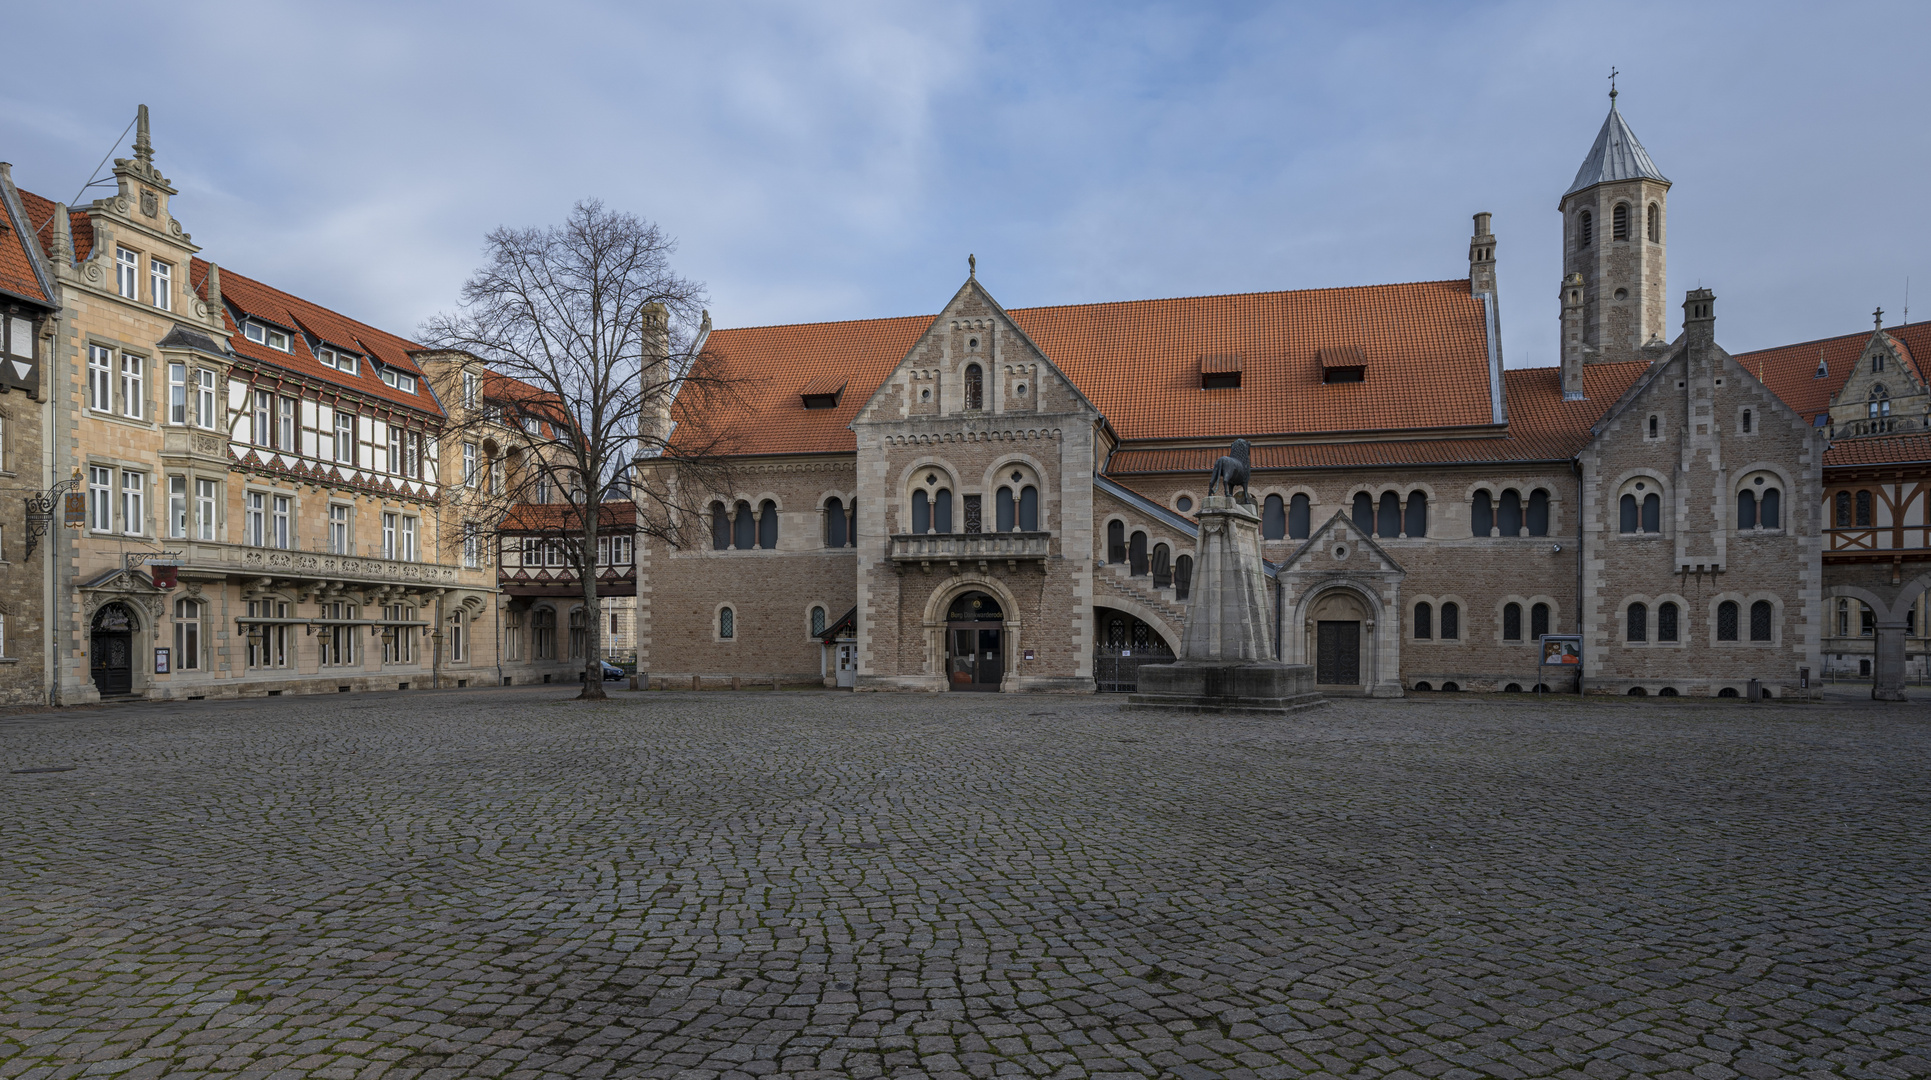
510, 884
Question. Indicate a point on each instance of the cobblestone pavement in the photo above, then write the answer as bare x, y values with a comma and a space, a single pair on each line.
507, 884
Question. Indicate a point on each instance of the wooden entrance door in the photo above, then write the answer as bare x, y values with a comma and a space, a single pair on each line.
1337, 654
111, 651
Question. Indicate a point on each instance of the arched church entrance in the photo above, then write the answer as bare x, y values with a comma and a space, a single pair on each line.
1125, 643
1337, 619
111, 652
975, 646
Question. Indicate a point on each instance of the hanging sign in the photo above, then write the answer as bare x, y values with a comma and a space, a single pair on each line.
75, 503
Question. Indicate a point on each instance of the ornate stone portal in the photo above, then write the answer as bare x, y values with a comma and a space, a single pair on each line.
1226, 647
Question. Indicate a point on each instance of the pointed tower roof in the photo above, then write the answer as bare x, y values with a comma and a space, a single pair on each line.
1616, 156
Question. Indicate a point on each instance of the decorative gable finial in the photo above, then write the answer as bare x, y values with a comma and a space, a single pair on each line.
1612, 87
1878, 317
143, 148
972, 266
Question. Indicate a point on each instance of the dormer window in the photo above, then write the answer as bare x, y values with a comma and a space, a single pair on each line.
345, 362
262, 334
402, 382
822, 392
1343, 364
1220, 371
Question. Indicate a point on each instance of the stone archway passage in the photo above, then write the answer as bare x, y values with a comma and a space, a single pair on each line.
111, 650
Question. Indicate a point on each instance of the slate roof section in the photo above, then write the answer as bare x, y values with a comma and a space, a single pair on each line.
1139, 362
1616, 155
183, 338
1543, 427
272, 305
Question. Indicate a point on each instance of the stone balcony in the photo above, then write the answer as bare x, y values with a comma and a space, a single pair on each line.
954, 549
202, 559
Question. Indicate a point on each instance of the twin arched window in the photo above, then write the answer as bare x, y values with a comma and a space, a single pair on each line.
975, 387
1162, 567
1637, 619
1451, 621
1760, 507
1182, 576
1642, 510
1508, 516
1020, 513
1289, 519
932, 513
1116, 541
1763, 616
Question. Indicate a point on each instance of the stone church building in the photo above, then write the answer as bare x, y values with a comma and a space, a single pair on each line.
996, 499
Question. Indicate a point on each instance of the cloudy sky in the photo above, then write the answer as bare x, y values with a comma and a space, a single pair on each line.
839, 160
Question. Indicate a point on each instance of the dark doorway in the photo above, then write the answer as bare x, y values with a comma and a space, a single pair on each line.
1337, 655
1125, 644
112, 650
975, 643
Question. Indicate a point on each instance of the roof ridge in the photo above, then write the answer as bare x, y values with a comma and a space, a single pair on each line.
227, 273
1113, 303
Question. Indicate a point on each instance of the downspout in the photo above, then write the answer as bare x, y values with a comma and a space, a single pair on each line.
1581, 532
436, 646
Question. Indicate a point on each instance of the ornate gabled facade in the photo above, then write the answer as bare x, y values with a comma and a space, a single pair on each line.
1004, 498
259, 477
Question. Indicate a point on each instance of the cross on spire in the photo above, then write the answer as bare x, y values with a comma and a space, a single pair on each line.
1878, 317
1612, 85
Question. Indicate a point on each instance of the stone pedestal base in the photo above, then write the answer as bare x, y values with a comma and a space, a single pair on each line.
1213, 686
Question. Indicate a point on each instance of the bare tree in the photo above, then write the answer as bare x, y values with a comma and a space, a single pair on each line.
576, 339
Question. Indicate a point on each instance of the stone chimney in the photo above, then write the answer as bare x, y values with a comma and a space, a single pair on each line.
214, 296
1699, 318
1481, 258
62, 244
655, 391
1573, 349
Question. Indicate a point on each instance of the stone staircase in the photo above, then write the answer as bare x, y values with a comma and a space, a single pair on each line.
1115, 579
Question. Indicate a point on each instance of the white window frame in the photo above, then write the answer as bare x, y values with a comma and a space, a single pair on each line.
255, 519
177, 506
207, 401
133, 502
100, 378
407, 552
458, 638
471, 455
206, 497
389, 535
100, 499
127, 273
345, 437
470, 545
288, 436
264, 418
282, 522
340, 533
470, 386
133, 386
395, 450
161, 283
177, 394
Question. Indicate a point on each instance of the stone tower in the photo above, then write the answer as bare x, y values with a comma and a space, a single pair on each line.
1615, 220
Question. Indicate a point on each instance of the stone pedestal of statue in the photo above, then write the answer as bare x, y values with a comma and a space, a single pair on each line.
1226, 647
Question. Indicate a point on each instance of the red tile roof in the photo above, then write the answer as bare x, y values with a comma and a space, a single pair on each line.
1883, 450
1542, 427
272, 305
1425, 348
17, 274
1791, 370
41, 212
